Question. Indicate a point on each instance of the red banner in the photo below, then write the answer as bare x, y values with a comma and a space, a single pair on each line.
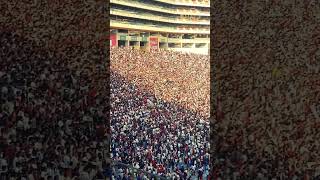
153, 42
113, 40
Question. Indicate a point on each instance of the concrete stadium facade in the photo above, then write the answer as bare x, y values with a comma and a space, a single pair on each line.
178, 25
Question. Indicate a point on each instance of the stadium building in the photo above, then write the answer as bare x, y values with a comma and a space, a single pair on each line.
179, 25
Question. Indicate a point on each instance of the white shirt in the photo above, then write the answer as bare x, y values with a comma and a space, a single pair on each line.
84, 176
30, 177
4, 90
3, 162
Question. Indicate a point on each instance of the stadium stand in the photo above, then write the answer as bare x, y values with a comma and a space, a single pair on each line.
159, 20
154, 92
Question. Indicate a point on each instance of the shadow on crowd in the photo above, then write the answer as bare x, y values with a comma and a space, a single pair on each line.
54, 112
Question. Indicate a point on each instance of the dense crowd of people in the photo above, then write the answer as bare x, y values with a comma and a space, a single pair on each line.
253, 136
172, 76
267, 118
52, 114
53, 117
267, 67
158, 136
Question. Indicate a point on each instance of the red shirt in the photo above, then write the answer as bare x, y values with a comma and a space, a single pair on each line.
149, 155
100, 131
13, 116
145, 101
154, 163
160, 168
93, 93
247, 118
10, 152
215, 173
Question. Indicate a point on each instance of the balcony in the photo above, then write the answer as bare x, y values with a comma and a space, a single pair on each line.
157, 28
149, 16
178, 11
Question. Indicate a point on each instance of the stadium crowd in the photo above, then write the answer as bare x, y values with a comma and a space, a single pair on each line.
172, 76
257, 136
267, 120
158, 136
52, 118
52, 114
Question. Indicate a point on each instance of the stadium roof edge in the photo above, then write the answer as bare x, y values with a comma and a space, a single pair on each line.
159, 10
182, 4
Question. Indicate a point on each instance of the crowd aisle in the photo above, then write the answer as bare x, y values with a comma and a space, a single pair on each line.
52, 115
